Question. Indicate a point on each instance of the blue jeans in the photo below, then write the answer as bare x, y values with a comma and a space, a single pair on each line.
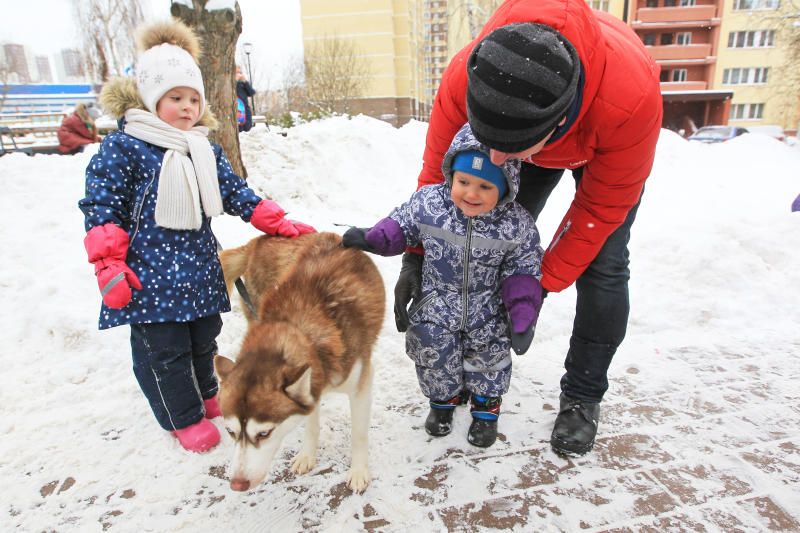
601, 311
174, 365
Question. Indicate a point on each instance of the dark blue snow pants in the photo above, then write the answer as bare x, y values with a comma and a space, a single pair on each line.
601, 311
174, 365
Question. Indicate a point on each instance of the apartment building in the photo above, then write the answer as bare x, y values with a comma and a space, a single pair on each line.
751, 59
383, 33
720, 59
683, 38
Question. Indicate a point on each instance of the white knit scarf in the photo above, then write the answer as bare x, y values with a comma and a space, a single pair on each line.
184, 182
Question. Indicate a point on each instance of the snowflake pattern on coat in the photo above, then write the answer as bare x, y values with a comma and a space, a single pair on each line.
179, 269
458, 335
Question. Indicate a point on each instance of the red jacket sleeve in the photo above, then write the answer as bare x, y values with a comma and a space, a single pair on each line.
611, 185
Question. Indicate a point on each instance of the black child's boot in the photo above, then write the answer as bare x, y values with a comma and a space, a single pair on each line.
440, 418
485, 411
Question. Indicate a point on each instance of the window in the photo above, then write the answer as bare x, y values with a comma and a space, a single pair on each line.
664, 76
599, 5
666, 38
748, 5
651, 3
747, 111
687, 3
679, 74
649, 39
751, 39
742, 76
670, 3
684, 37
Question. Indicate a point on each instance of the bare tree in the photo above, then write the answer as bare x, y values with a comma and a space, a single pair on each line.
335, 74
477, 13
292, 83
218, 31
106, 29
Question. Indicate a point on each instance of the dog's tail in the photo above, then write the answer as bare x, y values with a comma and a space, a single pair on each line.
234, 262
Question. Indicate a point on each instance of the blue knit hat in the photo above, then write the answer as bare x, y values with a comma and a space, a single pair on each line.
478, 164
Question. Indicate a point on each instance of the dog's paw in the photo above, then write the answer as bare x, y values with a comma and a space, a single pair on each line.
358, 479
303, 463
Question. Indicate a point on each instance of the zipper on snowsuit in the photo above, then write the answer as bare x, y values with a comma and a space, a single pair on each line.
465, 286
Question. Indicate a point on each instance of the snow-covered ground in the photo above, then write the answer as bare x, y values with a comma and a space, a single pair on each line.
715, 270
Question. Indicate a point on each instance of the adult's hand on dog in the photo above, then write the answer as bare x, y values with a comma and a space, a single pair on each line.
357, 238
408, 288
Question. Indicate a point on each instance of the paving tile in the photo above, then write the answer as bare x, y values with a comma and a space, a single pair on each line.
628, 451
772, 515
695, 484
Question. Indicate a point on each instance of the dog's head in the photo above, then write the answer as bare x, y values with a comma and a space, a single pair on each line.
264, 395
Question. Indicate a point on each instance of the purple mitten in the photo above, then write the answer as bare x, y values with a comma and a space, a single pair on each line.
796, 204
522, 296
386, 237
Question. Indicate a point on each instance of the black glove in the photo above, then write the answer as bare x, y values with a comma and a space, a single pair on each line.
357, 238
520, 342
408, 288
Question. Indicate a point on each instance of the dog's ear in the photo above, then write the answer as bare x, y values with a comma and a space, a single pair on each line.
300, 389
222, 366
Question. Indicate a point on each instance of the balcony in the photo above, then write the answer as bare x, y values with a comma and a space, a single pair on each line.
683, 86
671, 52
651, 15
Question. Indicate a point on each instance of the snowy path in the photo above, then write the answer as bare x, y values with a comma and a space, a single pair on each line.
699, 431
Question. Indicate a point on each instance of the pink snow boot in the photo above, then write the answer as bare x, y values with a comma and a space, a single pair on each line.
199, 437
212, 408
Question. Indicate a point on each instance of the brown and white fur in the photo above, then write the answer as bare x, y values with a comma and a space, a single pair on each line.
319, 312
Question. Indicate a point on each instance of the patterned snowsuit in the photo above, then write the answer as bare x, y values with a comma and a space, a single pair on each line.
458, 335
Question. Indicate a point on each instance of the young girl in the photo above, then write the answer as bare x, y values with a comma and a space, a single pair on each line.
151, 191
481, 271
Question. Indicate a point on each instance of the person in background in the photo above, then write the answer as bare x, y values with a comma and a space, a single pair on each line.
244, 115
77, 130
480, 287
151, 191
558, 86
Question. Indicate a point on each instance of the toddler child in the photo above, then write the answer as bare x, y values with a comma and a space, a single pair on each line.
481, 270
151, 191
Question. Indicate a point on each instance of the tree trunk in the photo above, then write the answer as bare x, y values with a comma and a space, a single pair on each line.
218, 31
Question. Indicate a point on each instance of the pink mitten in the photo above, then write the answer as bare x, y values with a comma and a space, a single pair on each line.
270, 218
107, 246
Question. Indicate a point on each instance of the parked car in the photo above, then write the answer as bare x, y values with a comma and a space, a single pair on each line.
776, 132
716, 134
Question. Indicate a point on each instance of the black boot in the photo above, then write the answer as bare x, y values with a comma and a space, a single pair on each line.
485, 411
440, 418
576, 427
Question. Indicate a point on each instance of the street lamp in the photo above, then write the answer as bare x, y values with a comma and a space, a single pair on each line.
247, 48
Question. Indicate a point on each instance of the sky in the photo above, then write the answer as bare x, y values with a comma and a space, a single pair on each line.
708, 373
272, 26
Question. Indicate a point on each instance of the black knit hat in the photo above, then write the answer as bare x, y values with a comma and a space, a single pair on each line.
521, 79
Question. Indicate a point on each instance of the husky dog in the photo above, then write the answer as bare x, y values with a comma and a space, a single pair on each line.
319, 310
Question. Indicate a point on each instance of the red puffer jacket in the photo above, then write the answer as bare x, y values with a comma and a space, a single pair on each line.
73, 133
614, 136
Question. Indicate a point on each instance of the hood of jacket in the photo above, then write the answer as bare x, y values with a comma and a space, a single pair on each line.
464, 141
121, 94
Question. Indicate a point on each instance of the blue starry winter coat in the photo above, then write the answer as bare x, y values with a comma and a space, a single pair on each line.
466, 261
179, 269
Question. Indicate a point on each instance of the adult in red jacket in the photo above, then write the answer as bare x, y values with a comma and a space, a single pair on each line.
560, 86
76, 131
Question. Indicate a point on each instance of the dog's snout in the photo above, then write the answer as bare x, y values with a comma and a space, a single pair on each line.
240, 485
